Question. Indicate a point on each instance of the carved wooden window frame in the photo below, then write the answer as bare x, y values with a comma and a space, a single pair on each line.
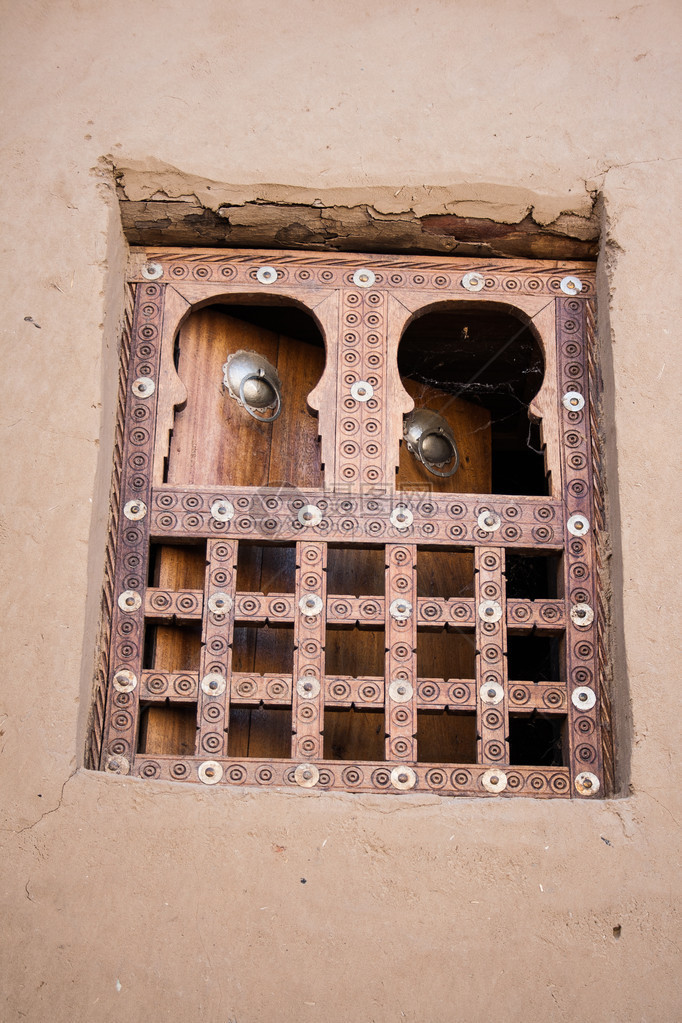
359, 496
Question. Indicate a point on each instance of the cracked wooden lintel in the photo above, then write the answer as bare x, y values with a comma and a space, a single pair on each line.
165, 222
160, 206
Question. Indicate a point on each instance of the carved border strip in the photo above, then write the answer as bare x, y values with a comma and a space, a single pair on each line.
442, 277
441, 779
401, 653
213, 704
544, 615
366, 693
602, 549
96, 724
133, 534
309, 645
272, 514
579, 557
491, 656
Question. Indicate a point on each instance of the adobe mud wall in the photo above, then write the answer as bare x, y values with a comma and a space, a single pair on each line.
441, 128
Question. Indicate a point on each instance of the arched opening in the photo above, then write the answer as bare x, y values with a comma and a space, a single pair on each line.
215, 441
479, 368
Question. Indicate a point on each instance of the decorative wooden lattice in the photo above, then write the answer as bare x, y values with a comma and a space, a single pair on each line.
362, 320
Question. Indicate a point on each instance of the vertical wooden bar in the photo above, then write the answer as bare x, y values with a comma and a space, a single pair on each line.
127, 633
401, 652
309, 639
580, 576
216, 651
491, 656
361, 393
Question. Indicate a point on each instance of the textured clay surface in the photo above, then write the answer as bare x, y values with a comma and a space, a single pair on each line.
123, 899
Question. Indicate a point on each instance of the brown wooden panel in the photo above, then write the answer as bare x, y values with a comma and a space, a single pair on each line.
214, 440
272, 569
471, 426
168, 729
295, 451
446, 737
353, 734
355, 571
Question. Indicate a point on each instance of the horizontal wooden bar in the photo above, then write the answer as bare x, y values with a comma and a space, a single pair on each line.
270, 514
522, 615
437, 611
544, 615
272, 690
363, 693
548, 697
165, 605
176, 686
203, 267
366, 776
452, 693
255, 607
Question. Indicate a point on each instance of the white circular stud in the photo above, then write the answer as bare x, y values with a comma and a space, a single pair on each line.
582, 615
400, 609
222, 510
210, 772
488, 521
401, 517
489, 611
400, 690
473, 282
266, 275
308, 687
124, 681
362, 391
213, 684
152, 271
310, 604
583, 698
143, 387
578, 525
364, 278
403, 778
573, 401
571, 285
135, 510
587, 784
309, 515
307, 776
494, 780
130, 601
117, 765
220, 603
491, 693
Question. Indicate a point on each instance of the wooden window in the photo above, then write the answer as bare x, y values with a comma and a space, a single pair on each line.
312, 601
